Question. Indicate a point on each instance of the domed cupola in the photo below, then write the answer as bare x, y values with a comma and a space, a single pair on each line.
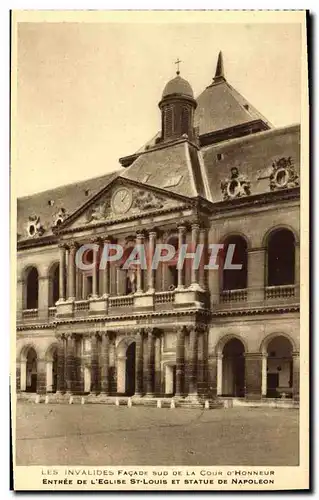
177, 107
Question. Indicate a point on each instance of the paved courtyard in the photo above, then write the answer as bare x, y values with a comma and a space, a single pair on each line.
106, 435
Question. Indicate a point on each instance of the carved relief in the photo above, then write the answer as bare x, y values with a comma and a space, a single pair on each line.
145, 200
34, 227
283, 175
122, 201
59, 217
236, 186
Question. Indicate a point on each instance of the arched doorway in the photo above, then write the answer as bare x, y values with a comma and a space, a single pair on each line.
233, 372
126, 354
52, 369
31, 371
54, 284
279, 367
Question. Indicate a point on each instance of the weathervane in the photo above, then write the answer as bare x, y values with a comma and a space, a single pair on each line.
178, 62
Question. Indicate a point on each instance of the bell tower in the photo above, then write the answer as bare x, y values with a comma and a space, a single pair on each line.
177, 108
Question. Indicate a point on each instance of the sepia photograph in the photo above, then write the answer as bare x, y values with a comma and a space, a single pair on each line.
159, 240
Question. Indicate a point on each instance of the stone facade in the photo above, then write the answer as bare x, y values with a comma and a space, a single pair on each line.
188, 334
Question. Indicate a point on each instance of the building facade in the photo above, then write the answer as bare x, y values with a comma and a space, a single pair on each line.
217, 173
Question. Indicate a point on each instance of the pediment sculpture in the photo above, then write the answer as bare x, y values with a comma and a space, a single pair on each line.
236, 186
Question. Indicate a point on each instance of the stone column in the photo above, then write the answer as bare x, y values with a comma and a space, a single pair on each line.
94, 362
41, 376
139, 241
203, 261
151, 272
256, 275
139, 364
157, 370
264, 375
253, 375
150, 362
295, 375
95, 270
181, 240
212, 376
43, 298
193, 353
180, 361
195, 270
61, 364
69, 365
105, 357
62, 251
106, 275
219, 385
71, 277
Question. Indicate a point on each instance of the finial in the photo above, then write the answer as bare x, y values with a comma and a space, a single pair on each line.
219, 74
178, 62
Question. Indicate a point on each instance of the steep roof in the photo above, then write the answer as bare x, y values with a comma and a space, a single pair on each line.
174, 167
253, 156
69, 198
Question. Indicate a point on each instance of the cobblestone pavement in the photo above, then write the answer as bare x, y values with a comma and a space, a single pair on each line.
106, 435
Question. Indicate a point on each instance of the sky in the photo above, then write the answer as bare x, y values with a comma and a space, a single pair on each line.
88, 93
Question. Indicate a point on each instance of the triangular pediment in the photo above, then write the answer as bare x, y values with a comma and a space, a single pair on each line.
123, 199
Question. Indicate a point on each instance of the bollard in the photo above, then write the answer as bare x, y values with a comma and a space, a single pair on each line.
71, 400
129, 403
159, 403
46, 401
82, 400
206, 404
172, 403
37, 399
117, 403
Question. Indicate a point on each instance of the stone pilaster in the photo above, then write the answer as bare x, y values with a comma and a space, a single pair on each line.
295, 375
62, 255
193, 352
139, 279
70, 362
61, 361
18, 376
151, 272
43, 301
106, 274
71, 273
202, 272
180, 361
157, 371
181, 241
150, 362
94, 362
195, 241
95, 270
41, 376
256, 275
212, 376
139, 363
253, 375
105, 357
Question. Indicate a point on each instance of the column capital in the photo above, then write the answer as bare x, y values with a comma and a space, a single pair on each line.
73, 245
140, 234
96, 239
62, 245
182, 226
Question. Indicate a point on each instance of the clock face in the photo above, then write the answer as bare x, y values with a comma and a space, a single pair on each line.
122, 201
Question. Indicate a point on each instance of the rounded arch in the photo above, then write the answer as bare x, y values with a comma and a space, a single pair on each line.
24, 351
123, 344
230, 278
280, 257
235, 234
279, 227
51, 352
54, 283
266, 341
225, 339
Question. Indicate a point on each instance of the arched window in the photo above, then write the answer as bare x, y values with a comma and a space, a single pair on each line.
281, 258
32, 288
234, 253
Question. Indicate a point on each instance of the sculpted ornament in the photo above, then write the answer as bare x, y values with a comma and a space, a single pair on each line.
283, 175
34, 227
236, 186
145, 200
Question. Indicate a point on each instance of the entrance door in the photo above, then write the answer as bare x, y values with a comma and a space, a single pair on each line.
272, 384
233, 378
130, 370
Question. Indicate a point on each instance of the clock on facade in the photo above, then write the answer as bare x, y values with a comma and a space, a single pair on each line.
122, 201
